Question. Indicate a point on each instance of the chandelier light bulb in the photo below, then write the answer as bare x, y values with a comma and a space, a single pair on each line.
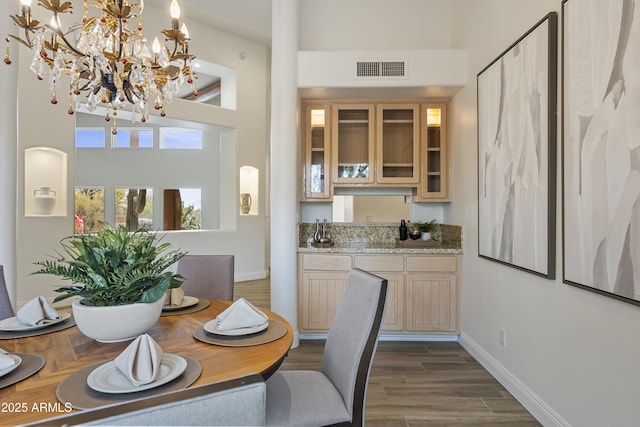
25, 3
184, 30
53, 22
174, 9
155, 46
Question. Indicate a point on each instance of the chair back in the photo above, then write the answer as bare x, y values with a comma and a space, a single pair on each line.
207, 276
353, 338
6, 310
238, 402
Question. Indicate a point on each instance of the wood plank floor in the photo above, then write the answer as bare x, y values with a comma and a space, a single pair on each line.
417, 383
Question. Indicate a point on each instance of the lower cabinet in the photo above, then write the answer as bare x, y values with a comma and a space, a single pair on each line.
422, 292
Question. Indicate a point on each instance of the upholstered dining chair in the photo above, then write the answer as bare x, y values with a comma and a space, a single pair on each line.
207, 276
336, 394
237, 402
6, 310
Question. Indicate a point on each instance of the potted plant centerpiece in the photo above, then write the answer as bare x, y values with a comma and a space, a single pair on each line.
120, 277
425, 228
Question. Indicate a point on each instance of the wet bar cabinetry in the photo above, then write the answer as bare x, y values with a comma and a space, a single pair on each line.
422, 295
317, 152
377, 144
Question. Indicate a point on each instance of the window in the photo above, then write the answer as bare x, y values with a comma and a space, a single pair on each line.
182, 209
89, 137
133, 138
134, 208
187, 158
89, 209
181, 138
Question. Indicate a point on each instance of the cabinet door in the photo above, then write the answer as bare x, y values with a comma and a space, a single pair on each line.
397, 143
431, 304
394, 309
321, 293
434, 154
317, 150
352, 143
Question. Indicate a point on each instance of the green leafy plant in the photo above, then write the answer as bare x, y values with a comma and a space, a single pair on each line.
114, 267
425, 227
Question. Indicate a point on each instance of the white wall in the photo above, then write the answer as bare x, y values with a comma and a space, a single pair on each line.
40, 123
334, 25
572, 355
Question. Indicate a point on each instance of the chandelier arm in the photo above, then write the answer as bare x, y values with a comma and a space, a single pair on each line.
28, 37
175, 47
26, 43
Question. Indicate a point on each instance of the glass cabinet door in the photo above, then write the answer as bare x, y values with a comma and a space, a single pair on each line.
434, 152
317, 152
397, 143
352, 143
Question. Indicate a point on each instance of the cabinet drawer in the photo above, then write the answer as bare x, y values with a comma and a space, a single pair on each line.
326, 262
432, 263
379, 262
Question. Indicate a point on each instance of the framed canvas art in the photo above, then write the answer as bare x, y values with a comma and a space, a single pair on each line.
601, 147
517, 129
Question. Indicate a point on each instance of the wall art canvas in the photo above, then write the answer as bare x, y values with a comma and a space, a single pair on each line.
517, 129
601, 146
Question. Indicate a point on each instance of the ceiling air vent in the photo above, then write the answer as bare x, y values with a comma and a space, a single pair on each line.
380, 69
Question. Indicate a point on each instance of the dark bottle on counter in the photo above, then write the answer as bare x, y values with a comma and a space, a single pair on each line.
403, 230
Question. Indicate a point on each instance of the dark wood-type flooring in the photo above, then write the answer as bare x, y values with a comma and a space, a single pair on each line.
417, 383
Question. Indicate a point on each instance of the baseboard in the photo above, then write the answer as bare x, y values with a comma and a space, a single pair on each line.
390, 337
245, 277
531, 401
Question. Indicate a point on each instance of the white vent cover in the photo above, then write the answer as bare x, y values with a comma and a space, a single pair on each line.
380, 69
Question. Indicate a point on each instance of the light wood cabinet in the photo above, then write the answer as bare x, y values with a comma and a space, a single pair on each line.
422, 292
353, 143
390, 267
316, 182
434, 154
397, 143
431, 302
321, 293
377, 144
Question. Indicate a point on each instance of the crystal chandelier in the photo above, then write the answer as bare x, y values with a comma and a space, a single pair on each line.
103, 57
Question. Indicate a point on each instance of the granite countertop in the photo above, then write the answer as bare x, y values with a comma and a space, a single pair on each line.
380, 248
378, 238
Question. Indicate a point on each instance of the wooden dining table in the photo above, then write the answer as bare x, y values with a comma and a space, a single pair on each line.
68, 351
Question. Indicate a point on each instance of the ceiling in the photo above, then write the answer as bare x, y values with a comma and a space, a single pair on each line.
247, 18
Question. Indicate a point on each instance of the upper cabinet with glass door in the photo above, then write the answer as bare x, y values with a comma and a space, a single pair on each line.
434, 174
352, 144
397, 143
317, 152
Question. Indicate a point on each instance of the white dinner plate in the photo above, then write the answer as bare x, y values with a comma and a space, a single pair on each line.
212, 327
107, 378
186, 302
18, 361
12, 324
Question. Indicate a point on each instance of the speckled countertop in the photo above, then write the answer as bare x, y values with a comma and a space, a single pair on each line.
372, 238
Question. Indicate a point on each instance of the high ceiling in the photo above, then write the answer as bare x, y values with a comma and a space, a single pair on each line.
248, 18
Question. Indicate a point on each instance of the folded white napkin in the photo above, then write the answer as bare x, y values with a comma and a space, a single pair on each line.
140, 361
37, 312
5, 360
240, 314
173, 297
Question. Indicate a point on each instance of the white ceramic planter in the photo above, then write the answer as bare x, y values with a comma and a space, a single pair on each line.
426, 235
116, 323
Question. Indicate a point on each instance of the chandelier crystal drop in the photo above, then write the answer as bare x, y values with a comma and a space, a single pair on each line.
113, 64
